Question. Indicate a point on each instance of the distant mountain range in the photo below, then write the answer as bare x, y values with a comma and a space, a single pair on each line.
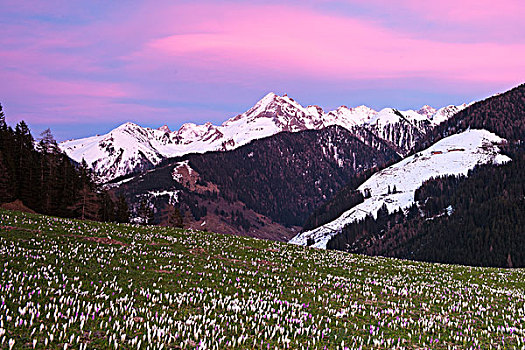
441, 185
131, 148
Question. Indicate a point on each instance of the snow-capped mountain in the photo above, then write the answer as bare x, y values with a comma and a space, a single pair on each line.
395, 186
130, 147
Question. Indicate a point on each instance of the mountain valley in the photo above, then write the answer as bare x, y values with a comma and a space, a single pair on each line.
273, 182
351, 179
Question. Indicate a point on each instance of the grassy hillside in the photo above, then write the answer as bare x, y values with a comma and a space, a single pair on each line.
72, 284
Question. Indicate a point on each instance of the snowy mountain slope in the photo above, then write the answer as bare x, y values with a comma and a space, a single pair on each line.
405, 128
125, 149
454, 155
445, 113
130, 148
280, 178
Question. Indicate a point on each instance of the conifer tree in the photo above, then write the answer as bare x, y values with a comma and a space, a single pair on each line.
107, 207
171, 217
145, 212
25, 165
48, 153
47, 143
5, 187
5, 180
121, 210
87, 205
3, 125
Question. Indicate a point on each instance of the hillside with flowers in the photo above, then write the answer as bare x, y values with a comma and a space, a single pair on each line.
69, 284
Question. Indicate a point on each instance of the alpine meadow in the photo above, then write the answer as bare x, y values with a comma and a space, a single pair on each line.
266, 175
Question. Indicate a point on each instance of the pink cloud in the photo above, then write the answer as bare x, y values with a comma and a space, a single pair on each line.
223, 54
297, 42
462, 10
37, 84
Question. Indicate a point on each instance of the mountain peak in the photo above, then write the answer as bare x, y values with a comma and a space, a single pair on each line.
268, 98
271, 98
164, 128
427, 111
363, 108
127, 126
270, 104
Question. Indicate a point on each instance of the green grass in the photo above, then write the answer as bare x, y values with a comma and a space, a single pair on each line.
167, 288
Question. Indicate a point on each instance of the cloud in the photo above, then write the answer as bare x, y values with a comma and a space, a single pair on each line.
71, 61
468, 11
296, 42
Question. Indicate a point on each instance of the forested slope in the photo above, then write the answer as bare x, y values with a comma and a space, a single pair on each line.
47, 181
474, 220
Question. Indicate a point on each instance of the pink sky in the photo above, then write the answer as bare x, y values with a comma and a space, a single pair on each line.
83, 68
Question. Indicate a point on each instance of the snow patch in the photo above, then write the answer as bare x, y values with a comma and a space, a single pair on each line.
177, 174
454, 155
173, 196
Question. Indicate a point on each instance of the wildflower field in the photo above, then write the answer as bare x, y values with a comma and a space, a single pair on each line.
68, 284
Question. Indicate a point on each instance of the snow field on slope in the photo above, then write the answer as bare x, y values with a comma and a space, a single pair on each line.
454, 155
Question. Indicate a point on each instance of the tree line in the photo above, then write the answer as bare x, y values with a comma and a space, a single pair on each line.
41, 176
502, 114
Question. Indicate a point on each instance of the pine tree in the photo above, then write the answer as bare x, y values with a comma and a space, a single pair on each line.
121, 210
46, 184
67, 184
87, 205
5, 181
25, 166
171, 217
87, 175
3, 125
47, 143
145, 212
107, 207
